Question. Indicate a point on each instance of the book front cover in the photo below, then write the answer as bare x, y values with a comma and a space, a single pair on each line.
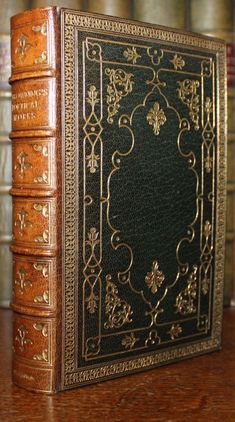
143, 196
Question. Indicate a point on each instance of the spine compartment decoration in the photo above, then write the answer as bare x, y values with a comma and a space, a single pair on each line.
35, 138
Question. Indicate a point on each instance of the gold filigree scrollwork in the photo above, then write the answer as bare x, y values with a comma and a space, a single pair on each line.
22, 221
43, 298
185, 301
208, 136
175, 331
43, 357
92, 129
92, 346
43, 209
22, 281
92, 270
40, 28
152, 338
43, 149
178, 62
129, 341
42, 238
117, 310
156, 118
23, 46
42, 328
42, 58
131, 55
42, 268
189, 96
22, 164
120, 85
206, 257
42, 178
155, 278
21, 337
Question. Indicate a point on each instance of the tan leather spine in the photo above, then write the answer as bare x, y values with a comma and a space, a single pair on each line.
35, 133
8, 8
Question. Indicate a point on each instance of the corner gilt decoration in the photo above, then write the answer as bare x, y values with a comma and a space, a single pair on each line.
188, 94
131, 54
120, 85
185, 301
117, 310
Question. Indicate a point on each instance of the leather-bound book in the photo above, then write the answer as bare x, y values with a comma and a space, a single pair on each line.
119, 159
163, 12
216, 18
8, 8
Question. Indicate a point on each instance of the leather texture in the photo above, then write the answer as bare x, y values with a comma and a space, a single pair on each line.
119, 208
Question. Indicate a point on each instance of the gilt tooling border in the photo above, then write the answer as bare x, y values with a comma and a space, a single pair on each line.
71, 22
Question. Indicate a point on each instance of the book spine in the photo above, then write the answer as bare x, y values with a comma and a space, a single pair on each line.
7, 8
35, 138
121, 8
163, 12
217, 19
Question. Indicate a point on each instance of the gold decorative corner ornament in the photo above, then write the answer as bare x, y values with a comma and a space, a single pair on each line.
43, 268
185, 300
43, 357
43, 238
120, 85
188, 94
155, 278
41, 148
42, 328
42, 58
42, 29
156, 118
44, 298
42, 178
118, 311
43, 209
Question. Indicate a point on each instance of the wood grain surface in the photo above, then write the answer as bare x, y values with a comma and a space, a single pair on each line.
200, 389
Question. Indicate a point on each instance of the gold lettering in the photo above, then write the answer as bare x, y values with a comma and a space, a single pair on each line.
42, 92
24, 116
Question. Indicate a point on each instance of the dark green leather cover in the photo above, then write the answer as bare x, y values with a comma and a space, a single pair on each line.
144, 196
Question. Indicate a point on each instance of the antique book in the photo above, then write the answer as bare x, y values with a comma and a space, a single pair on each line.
8, 8
217, 19
119, 188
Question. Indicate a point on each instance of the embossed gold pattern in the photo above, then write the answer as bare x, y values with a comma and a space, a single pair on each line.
43, 268
95, 343
23, 47
42, 208
129, 341
175, 331
42, 58
22, 281
155, 278
185, 301
131, 54
177, 62
44, 298
22, 339
42, 149
40, 28
22, 221
156, 118
188, 94
43, 238
117, 310
42, 328
120, 85
22, 164
43, 357
93, 130
42, 178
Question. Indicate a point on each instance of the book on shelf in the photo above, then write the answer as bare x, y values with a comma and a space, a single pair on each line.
119, 188
8, 8
216, 19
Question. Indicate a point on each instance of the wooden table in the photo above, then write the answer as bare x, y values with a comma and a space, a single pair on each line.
200, 389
